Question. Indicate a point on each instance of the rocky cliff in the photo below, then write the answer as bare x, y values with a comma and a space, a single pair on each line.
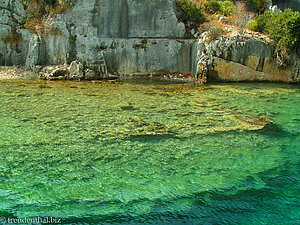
134, 37
12, 51
131, 36
250, 57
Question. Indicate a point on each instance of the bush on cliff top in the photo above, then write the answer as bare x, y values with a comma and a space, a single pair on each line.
195, 12
190, 12
225, 8
257, 6
283, 27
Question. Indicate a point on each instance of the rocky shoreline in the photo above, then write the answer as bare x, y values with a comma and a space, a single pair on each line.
62, 72
16, 72
95, 48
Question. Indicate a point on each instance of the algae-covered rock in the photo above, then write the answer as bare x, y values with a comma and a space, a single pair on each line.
254, 120
127, 107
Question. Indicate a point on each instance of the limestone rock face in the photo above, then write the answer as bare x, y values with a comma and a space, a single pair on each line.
240, 58
125, 18
124, 37
138, 56
13, 6
135, 37
144, 47
112, 36
12, 52
33, 54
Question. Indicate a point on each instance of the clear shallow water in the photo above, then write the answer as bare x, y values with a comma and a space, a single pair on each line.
155, 153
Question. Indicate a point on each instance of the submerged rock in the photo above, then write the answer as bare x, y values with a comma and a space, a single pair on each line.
142, 128
127, 107
254, 120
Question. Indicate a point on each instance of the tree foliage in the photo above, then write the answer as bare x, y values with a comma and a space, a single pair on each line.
283, 27
195, 12
257, 6
190, 12
227, 8
219, 7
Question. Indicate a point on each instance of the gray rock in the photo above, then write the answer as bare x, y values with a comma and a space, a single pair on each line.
240, 58
127, 37
76, 70
37, 69
14, 6
91, 75
138, 56
33, 54
126, 18
94, 25
59, 72
11, 16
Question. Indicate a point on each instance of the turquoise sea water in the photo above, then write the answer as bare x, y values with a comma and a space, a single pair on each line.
145, 152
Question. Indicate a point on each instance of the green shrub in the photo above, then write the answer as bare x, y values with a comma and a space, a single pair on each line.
72, 39
214, 33
190, 13
227, 8
283, 27
253, 25
212, 7
259, 24
257, 6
